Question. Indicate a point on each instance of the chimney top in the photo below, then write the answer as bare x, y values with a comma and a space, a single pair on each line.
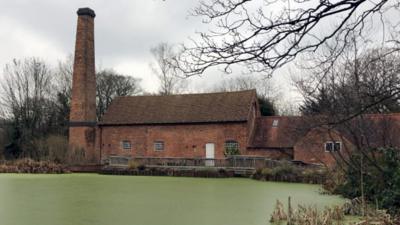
86, 12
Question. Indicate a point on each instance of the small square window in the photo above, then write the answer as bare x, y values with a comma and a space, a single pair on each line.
333, 146
275, 123
126, 145
329, 146
337, 146
158, 146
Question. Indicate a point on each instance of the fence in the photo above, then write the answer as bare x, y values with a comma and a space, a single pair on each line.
229, 162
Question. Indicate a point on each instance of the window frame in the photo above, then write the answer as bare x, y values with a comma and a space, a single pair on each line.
340, 146
275, 123
333, 143
124, 147
155, 143
230, 142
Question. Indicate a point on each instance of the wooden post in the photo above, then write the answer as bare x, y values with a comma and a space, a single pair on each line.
289, 212
362, 187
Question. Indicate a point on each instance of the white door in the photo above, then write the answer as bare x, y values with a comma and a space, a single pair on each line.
210, 154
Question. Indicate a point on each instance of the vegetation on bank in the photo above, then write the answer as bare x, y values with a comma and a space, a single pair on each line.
335, 215
31, 166
374, 184
377, 182
288, 172
138, 169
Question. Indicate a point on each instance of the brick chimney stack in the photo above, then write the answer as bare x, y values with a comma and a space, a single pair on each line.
83, 102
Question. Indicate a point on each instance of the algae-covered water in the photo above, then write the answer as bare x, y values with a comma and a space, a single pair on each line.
90, 199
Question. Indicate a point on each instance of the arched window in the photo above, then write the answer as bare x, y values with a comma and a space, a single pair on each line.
231, 147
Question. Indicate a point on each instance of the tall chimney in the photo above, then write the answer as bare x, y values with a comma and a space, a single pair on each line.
83, 102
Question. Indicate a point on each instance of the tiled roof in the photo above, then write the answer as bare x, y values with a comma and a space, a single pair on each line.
377, 130
277, 132
374, 130
185, 108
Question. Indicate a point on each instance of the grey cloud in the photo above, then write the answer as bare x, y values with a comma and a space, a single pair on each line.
125, 30
122, 27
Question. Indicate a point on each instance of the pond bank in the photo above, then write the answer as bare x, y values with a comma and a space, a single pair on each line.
284, 172
31, 166
206, 172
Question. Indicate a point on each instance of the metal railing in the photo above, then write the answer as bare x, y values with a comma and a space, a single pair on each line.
228, 162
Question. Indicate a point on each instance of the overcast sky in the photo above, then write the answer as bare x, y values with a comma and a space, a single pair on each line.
125, 30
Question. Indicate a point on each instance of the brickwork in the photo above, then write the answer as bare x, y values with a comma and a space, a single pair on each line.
179, 140
82, 145
311, 148
83, 103
272, 153
199, 119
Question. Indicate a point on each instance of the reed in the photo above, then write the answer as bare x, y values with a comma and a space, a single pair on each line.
307, 215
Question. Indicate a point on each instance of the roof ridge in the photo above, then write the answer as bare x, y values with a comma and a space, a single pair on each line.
186, 94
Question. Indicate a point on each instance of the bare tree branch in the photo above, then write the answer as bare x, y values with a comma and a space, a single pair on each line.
254, 33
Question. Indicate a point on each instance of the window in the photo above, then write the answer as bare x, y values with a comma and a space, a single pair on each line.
275, 123
231, 147
333, 146
158, 146
337, 146
126, 145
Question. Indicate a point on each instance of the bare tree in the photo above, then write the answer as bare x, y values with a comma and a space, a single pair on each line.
64, 76
368, 82
3, 140
265, 35
27, 94
36, 101
171, 79
63, 89
339, 96
110, 85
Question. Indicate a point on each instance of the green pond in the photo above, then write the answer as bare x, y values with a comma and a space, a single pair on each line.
90, 199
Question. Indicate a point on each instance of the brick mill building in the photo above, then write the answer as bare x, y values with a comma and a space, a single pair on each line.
194, 125
190, 125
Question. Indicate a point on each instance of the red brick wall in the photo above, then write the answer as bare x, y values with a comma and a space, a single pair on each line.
82, 139
272, 153
179, 140
311, 148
